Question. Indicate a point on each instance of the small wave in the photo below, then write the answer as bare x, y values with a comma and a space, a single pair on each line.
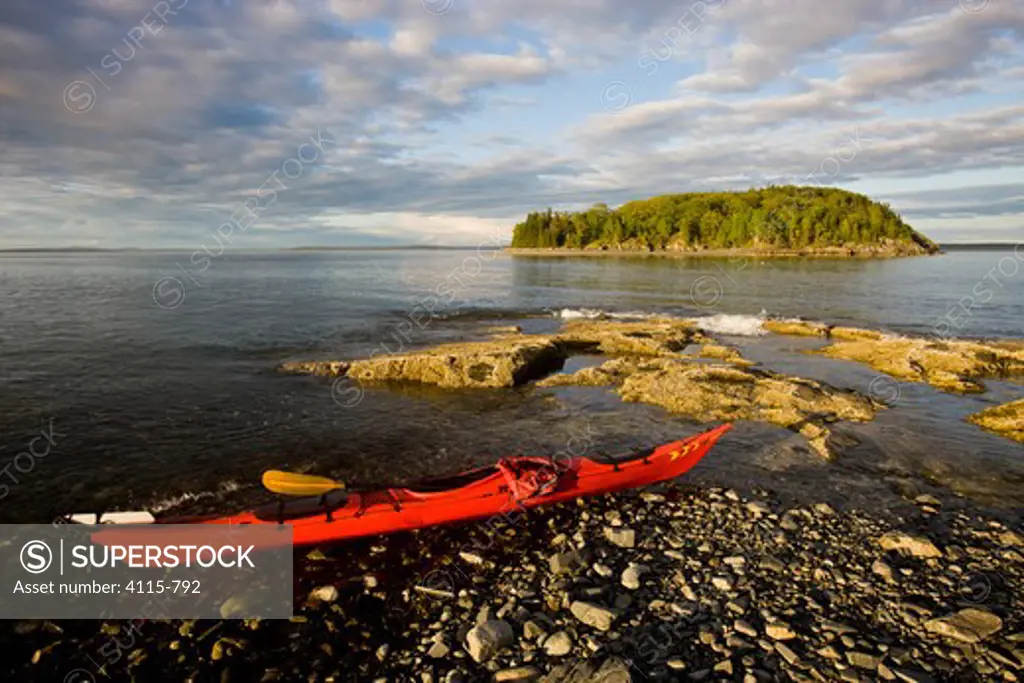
596, 314
736, 325
576, 313
172, 502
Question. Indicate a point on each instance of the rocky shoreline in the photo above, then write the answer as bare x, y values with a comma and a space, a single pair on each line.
674, 583
851, 252
673, 364
691, 584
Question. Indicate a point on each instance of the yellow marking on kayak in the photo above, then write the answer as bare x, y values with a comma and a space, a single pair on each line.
680, 452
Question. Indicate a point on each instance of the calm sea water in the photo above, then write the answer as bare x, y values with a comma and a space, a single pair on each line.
167, 395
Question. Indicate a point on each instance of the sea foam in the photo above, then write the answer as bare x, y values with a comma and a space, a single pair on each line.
736, 325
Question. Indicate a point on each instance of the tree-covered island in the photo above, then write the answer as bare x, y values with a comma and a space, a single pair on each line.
774, 219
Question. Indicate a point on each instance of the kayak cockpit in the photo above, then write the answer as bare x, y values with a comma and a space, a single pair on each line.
301, 507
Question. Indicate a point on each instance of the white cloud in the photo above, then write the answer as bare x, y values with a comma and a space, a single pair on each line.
203, 111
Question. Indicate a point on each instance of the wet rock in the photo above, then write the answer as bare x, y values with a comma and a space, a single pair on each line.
709, 393
853, 333
954, 366
594, 615
655, 337
497, 363
970, 625
728, 354
1005, 420
915, 546
501, 330
486, 640
799, 328
327, 368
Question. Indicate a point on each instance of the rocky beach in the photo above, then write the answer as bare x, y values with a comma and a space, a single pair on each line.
672, 583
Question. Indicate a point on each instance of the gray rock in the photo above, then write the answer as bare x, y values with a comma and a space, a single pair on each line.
910, 544
486, 640
612, 670
676, 664
970, 625
324, 594
758, 509
722, 583
563, 563
632, 575
558, 644
882, 569
779, 631
594, 615
786, 653
518, 674
912, 676
471, 558
438, 650
863, 660
837, 627
830, 652
622, 537
532, 630
744, 628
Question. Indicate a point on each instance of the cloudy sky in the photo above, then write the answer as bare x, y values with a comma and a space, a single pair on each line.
133, 123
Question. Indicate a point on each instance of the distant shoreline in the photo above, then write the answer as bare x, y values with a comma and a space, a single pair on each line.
181, 250
954, 246
830, 253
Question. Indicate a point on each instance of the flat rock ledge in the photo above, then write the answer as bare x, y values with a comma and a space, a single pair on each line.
949, 365
1005, 420
714, 392
493, 364
654, 337
509, 360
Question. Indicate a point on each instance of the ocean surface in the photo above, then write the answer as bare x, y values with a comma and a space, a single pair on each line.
148, 379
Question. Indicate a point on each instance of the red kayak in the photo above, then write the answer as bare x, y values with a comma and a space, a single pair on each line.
510, 484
